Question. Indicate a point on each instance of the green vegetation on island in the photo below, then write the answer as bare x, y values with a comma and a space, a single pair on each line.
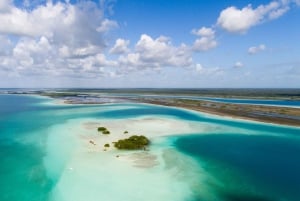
103, 130
106, 132
100, 129
132, 143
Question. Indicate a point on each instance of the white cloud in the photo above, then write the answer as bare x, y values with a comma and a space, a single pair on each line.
256, 49
153, 49
279, 12
238, 64
40, 21
204, 44
204, 31
237, 20
5, 5
65, 39
54, 39
83, 51
70, 39
156, 53
95, 63
76, 24
200, 69
107, 25
5, 45
160, 50
120, 47
206, 41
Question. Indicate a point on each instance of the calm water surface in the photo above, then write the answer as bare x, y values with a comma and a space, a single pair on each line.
251, 162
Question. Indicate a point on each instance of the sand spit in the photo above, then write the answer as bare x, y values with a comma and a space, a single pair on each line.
149, 127
91, 171
140, 159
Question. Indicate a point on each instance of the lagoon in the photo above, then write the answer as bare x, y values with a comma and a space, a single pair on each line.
46, 154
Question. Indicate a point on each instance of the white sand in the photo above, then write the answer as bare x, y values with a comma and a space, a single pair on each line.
84, 171
149, 127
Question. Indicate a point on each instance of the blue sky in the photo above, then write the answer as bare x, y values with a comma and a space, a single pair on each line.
157, 43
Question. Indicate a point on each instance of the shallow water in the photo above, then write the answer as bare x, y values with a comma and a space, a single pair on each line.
44, 155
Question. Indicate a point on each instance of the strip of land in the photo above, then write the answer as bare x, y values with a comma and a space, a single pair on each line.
269, 114
263, 113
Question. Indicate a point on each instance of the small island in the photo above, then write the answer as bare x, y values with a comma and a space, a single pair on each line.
134, 142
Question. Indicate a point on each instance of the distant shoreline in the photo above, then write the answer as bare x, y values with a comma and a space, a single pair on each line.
260, 113
281, 115
268, 114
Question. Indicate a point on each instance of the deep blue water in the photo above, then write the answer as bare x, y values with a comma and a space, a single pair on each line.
268, 164
11, 104
264, 166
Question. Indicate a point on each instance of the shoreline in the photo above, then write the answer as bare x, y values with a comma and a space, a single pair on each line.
236, 113
280, 115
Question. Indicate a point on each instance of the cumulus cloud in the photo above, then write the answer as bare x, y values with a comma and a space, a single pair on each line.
238, 64
156, 53
203, 31
255, 49
54, 38
60, 21
5, 45
200, 69
237, 20
78, 52
120, 47
107, 25
206, 40
70, 40
94, 63
5, 5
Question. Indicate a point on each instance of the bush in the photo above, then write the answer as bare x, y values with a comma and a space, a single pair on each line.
106, 145
125, 132
106, 132
132, 143
101, 129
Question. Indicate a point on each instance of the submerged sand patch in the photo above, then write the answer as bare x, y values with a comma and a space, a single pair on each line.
91, 171
140, 159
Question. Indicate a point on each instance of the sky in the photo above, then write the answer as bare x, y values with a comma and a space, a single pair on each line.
150, 43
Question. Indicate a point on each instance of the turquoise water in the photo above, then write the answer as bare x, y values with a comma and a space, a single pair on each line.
228, 160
